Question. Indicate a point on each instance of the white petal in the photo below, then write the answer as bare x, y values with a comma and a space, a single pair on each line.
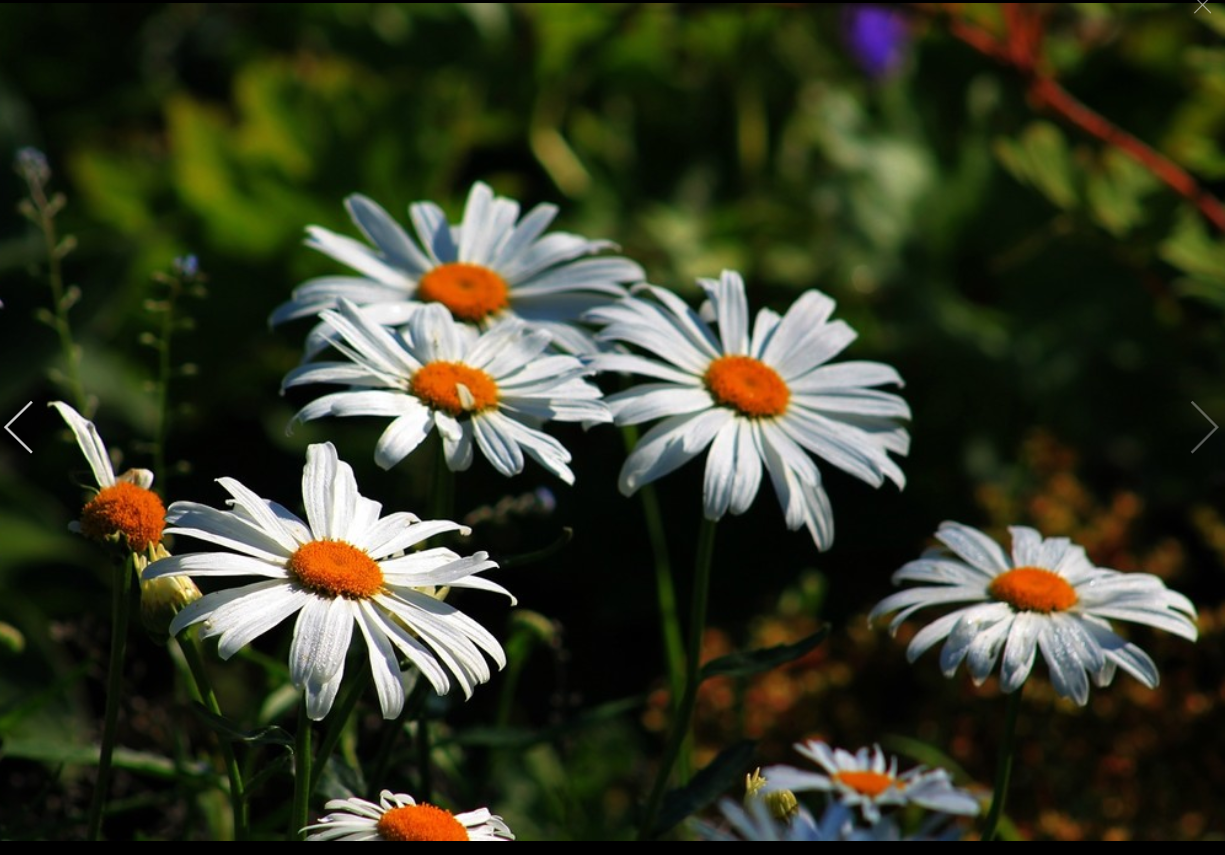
668, 445
384, 666
90, 444
329, 492
317, 654
402, 437
1020, 649
214, 564
654, 400
385, 233
973, 546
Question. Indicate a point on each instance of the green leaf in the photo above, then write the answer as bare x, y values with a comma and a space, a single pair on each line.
144, 762
1040, 157
752, 662
226, 729
713, 781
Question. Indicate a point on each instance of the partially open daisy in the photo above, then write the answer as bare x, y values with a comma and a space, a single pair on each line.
766, 398
343, 567
490, 266
494, 389
866, 780
125, 508
398, 817
1046, 596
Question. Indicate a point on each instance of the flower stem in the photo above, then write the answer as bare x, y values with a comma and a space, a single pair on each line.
1003, 769
121, 610
423, 758
665, 590
204, 687
298, 817
340, 716
683, 714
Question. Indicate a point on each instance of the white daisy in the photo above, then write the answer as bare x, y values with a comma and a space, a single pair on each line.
766, 398
398, 817
343, 567
493, 388
864, 779
124, 506
490, 266
1046, 596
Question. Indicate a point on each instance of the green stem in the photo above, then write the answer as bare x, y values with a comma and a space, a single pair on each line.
1003, 769
121, 610
204, 687
413, 705
339, 718
442, 498
665, 590
299, 816
683, 714
426, 791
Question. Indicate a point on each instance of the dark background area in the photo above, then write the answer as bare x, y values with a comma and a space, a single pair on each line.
1053, 308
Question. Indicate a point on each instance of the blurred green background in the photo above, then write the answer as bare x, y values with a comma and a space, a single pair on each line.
1053, 308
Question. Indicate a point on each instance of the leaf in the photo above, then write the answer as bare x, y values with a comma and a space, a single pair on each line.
707, 785
144, 762
223, 727
751, 662
1040, 157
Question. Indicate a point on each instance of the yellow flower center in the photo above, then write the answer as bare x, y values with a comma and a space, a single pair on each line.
439, 385
424, 823
470, 291
1032, 589
748, 385
870, 784
125, 509
336, 569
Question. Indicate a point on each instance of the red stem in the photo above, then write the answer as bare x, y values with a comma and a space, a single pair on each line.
1021, 51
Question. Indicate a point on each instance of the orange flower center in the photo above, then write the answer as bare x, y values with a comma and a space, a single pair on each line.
424, 823
125, 509
336, 569
470, 291
455, 388
1032, 589
748, 385
870, 784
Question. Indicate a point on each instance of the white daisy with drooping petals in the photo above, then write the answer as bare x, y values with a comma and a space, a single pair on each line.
124, 506
397, 816
492, 390
491, 266
344, 566
1046, 596
766, 398
867, 781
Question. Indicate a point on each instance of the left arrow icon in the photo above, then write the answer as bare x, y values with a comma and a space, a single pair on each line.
8, 427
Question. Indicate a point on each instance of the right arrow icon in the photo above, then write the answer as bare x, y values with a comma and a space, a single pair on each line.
1210, 421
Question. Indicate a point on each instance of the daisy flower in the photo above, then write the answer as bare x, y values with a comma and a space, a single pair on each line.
1047, 596
124, 508
492, 265
766, 398
398, 817
344, 566
865, 780
492, 389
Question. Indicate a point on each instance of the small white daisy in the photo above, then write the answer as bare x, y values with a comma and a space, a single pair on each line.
343, 567
125, 506
494, 389
1046, 596
766, 398
490, 266
865, 780
398, 817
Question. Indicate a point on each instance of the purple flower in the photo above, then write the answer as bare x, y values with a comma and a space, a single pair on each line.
876, 36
